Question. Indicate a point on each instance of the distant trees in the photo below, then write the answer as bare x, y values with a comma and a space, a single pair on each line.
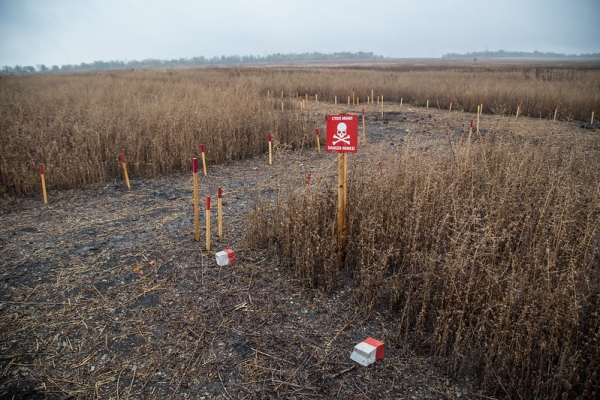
517, 54
185, 62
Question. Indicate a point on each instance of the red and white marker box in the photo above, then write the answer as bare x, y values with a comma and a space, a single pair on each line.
342, 133
225, 257
368, 351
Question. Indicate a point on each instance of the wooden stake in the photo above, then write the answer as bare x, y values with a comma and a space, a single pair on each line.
335, 98
43, 178
593, 112
450, 108
220, 209
478, 110
207, 222
555, 112
282, 104
196, 200
316, 98
372, 95
122, 157
518, 109
469, 138
382, 105
428, 102
318, 141
348, 98
203, 159
400, 101
363, 126
352, 96
270, 138
342, 190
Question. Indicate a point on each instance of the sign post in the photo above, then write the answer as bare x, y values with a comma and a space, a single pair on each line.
342, 138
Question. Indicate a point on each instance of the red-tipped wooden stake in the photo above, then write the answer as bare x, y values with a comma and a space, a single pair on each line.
318, 141
555, 112
203, 159
43, 178
353, 96
220, 210
270, 138
196, 200
124, 164
207, 222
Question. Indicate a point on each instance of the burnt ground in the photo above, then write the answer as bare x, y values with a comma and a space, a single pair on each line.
105, 293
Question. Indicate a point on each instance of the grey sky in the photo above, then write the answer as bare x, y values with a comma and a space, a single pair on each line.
57, 32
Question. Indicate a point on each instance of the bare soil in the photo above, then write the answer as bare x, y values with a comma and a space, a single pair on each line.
105, 293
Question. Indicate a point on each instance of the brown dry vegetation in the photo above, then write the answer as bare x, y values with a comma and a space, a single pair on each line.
487, 261
78, 124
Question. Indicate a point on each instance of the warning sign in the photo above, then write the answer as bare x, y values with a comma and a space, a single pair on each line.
342, 133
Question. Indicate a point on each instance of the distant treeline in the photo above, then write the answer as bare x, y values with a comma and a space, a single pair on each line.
184, 62
518, 54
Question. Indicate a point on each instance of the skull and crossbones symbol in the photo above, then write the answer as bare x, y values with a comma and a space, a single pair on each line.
342, 135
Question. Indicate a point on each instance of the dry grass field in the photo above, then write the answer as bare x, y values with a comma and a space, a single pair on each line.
476, 261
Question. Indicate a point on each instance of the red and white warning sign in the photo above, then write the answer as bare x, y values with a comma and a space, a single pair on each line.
342, 133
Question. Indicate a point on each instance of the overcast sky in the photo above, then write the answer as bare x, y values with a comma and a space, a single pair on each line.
58, 32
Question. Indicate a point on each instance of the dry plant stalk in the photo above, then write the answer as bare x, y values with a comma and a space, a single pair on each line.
490, 262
